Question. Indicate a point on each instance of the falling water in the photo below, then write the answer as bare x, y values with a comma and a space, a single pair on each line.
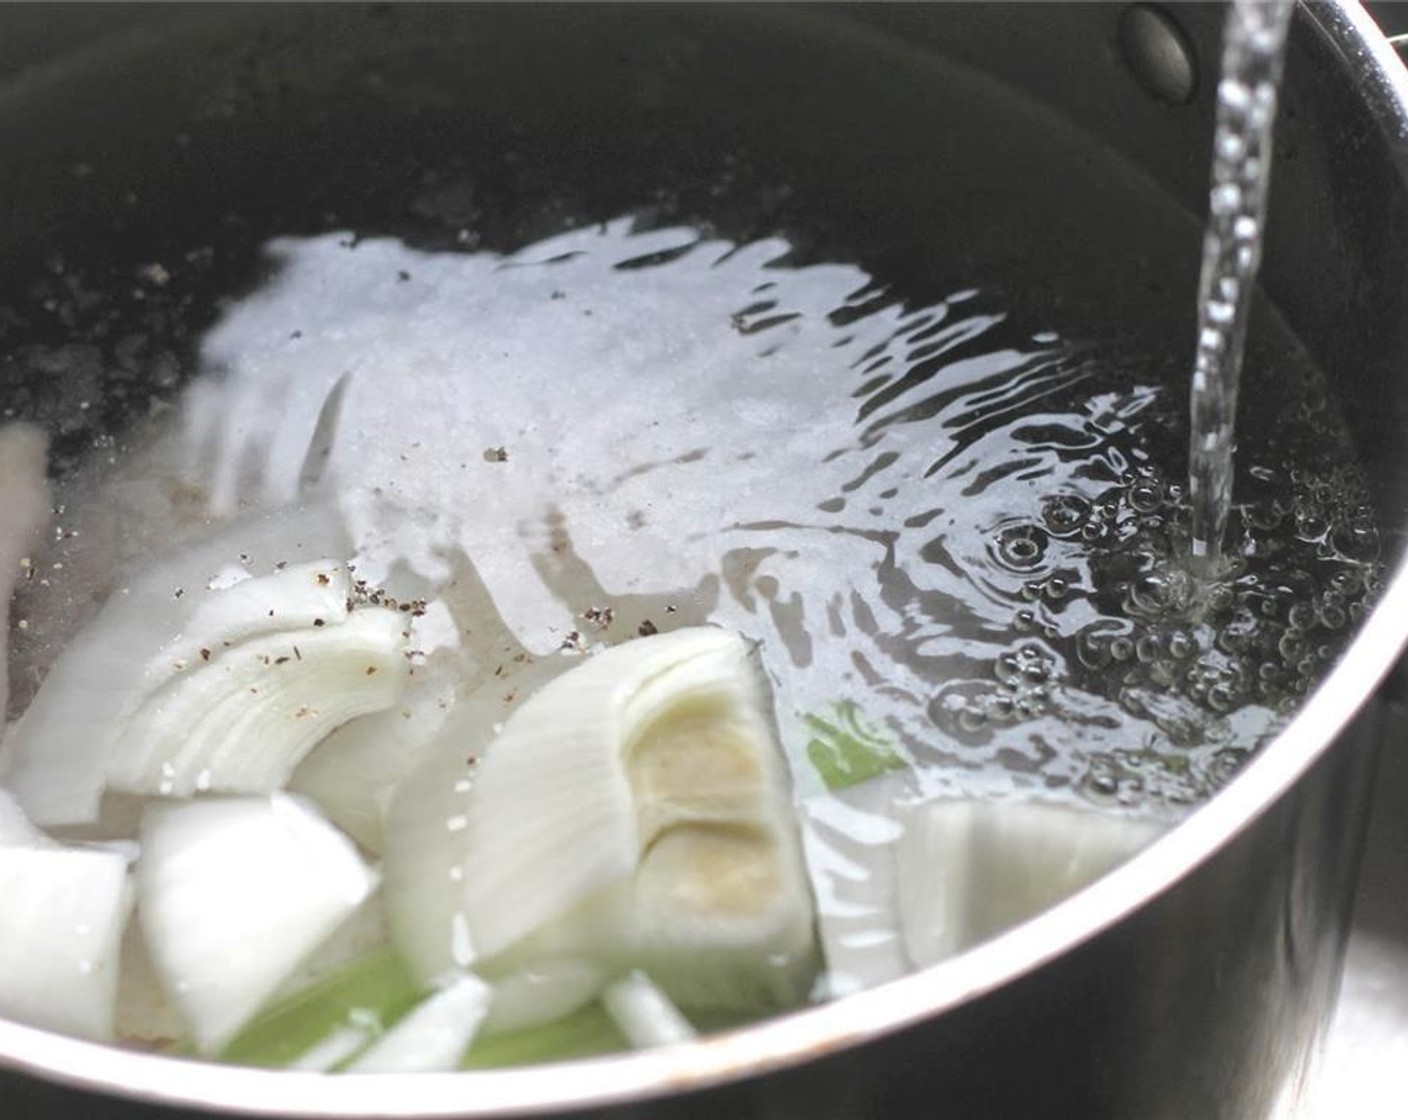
1252, 60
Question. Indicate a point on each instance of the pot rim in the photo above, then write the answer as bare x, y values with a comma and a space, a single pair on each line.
1371, 62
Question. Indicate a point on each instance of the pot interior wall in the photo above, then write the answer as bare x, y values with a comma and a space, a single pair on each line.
211, 132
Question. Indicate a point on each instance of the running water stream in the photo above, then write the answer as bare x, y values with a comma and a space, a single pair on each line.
1253, 57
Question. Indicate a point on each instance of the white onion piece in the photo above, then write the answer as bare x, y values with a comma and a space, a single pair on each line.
363, 932
145, 1013
332, 1051
60, 936
234, 894
434, 1035
15, 828
56, 758
542, 992
295, 597
851, 837
24, 508
969, 869
426, 822
353, 773
241, 722
637, 809
645, 1014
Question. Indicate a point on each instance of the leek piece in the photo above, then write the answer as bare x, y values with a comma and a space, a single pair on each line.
60, 930
425, 837
645, 1014
366, 995
56, 758
845, 750
234, 894
241, 722
434, 1035
969, 869
637, 811
585, 1033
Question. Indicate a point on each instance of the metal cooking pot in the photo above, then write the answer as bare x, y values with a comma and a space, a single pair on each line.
1196, 980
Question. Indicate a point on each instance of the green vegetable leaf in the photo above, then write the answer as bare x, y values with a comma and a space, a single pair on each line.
847, 750
374, 988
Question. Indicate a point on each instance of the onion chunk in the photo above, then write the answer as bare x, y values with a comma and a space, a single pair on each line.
233, 895
60, 930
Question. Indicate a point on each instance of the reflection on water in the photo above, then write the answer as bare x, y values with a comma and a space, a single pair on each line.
966, 532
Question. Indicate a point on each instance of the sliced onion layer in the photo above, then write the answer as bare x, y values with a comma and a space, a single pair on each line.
150, 629
241, 722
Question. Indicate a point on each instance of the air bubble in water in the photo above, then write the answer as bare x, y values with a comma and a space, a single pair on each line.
971, 719
1145, 497
1093, 647
1181, 646
1021, 547
1221, 698
1148, 648
1333, 616
1291, 645
1311, 523
1065, 514
1034, 665
1356, 542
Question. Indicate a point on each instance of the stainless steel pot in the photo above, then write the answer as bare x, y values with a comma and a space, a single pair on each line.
1194, 981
